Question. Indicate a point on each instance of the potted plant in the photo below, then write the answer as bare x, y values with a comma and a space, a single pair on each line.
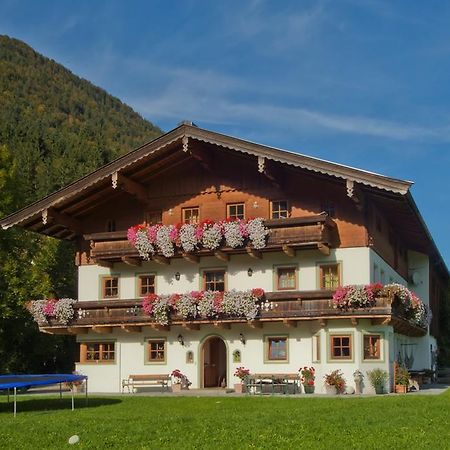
334, 382
179, 381
308, 377
242, 373
378, 379
401, 380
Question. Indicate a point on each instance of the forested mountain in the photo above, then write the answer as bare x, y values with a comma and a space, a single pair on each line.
54, 128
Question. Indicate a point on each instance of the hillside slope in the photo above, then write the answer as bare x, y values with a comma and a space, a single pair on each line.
56, 125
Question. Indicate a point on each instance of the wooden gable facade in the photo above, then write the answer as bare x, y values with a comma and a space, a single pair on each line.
327, 205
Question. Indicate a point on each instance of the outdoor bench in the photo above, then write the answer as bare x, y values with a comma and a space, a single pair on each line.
256, 382
135, 381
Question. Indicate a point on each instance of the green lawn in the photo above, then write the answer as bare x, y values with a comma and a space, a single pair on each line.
394, 422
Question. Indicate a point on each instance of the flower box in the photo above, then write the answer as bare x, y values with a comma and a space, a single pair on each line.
176, 387
239, 388
401, 389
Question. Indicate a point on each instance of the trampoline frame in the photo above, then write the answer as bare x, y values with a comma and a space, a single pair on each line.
70, 379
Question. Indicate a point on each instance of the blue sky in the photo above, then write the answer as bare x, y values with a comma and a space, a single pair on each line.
361, 82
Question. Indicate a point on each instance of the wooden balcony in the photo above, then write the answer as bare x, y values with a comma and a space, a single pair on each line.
288, 235
292, 309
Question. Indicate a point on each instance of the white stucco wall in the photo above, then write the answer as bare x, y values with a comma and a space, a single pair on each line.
355, 263
130, 352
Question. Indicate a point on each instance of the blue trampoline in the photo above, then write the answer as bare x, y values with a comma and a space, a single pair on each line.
15, 382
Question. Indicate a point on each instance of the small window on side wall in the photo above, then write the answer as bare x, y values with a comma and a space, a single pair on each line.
329, 276
286, 278
190, 215
236, 211
372, 346
214, 280
146, 285
97, 352
341, 347
156, 351
279, 209
277, 348
110, 287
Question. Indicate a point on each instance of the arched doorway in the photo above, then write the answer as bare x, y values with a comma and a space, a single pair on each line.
214, 362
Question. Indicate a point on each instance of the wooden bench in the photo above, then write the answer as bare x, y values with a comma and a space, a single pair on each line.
257, 381
135, 381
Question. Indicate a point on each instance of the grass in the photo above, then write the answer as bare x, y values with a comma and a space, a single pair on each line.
394, 422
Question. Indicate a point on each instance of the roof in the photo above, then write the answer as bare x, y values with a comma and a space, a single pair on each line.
163, 147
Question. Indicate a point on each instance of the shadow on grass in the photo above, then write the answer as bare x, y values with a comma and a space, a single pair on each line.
27, 404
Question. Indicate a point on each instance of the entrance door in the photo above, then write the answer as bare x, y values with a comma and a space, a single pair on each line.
214, 362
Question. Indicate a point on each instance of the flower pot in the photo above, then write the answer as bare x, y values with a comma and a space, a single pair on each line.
176, 387
308, 389
239, 388
379, 389
330, 390
401, 389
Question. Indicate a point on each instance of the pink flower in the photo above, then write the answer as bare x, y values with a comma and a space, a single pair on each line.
173, 234
49, 307
148, 303
197, 295
152, 232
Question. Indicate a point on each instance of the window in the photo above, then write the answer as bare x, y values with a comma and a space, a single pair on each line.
276, 348
214, 280
372, 346
153, 217
328, 207
236, 211
146, 285
330, 276
98, 352
156, 350
280, 209
110, 287
111, 225
191, 215
286, 278
341, 347
316, 348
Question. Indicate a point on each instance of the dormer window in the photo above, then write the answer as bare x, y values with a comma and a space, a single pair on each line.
236, 211
279, 209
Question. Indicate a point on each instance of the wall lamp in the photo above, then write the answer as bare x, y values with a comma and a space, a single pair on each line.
250, 272
180, 339
177, 276
242, 338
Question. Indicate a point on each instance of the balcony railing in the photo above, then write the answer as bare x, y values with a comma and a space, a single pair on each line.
287, 235
290, 308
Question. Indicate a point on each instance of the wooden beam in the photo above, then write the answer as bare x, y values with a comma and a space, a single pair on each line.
130, 186
222, 325
323, 248
191, 326
136, 262
191, 258
102, 330
381, 320
256, 254
255, 324
160, 259
104, 263
354, 321
264, 168
131, 328
322, 323
158, 327
78, 330
222, 255
288, 250
63, 219
290, 323
355, 194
